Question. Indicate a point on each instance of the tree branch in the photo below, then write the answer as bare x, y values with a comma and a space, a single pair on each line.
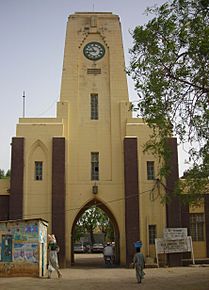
203, 89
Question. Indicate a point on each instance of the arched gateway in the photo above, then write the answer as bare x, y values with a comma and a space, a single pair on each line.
93, 148
98, 203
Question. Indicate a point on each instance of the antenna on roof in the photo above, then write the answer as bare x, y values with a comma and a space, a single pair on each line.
23, 111
93, 7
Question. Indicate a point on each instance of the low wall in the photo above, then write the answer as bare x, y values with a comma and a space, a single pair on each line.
15, 269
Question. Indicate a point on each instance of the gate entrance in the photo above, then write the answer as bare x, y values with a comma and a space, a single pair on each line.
87, 248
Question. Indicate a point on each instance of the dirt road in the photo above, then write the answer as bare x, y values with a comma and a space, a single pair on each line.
89, 278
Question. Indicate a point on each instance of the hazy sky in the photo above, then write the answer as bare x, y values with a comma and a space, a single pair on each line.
32, 37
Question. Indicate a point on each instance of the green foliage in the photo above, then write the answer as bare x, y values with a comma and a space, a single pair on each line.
93, 219
3, 175
170, 68
8, 174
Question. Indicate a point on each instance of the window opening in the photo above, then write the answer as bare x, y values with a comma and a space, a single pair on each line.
94, 107
152, 234
38, 170
94, 166
150, 170
197, 226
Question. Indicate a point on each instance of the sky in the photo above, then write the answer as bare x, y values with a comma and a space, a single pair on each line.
32, 38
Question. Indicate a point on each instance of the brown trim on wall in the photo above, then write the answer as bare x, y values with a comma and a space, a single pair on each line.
58, 194
132, 230
173, 207
17, 172
206, 205
185, 216
185, 224
4, 207
173, 213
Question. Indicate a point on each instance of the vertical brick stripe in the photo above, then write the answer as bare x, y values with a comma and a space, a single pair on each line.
131, 196
17, 171
4, 207
185, 216
206, 204
58, 194
185, 224
173, 208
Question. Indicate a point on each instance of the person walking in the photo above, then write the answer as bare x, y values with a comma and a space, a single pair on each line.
53, 258
139, 264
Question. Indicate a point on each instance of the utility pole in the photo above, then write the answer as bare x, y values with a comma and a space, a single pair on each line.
23, 114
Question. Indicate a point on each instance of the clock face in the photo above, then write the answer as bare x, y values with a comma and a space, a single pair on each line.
94, 50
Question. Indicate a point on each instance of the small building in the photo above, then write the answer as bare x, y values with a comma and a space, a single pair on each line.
23, 247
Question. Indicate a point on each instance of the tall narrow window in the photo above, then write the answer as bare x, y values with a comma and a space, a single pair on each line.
197, 226
38, 170
94, 107
152, 234
94, 166
150, 170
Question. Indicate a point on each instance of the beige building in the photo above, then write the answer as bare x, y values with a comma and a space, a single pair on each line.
92, 151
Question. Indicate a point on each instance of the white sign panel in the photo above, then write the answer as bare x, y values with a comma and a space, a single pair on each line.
173, 246
175, 233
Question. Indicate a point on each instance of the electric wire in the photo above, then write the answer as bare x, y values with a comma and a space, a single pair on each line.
87, 206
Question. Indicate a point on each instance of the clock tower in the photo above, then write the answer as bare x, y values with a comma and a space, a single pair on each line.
94, 106
92, 152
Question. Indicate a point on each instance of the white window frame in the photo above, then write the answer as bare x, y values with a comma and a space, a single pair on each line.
197, 226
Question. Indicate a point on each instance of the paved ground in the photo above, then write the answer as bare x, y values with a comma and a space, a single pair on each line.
95, 277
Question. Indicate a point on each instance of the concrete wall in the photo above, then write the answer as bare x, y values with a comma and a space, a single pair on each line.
22, 245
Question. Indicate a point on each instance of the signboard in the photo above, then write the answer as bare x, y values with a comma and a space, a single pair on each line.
175, 233
175, 241
173, 246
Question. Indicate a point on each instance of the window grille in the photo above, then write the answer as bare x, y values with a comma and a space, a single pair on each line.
38, 170
94, 107
150, 170
152, 234
94, 71
197, 222
94, 166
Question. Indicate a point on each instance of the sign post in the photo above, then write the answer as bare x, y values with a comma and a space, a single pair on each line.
175, 241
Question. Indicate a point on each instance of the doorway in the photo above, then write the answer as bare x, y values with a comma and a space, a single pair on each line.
93, 227
6, 254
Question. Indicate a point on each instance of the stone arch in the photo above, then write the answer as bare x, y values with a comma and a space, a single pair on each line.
37, 144
37, 151
102, 205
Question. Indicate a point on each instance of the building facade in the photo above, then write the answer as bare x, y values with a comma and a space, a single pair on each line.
92, 153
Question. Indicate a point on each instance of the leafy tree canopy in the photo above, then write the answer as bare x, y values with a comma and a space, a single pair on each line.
170, 68
3, 175
93, 219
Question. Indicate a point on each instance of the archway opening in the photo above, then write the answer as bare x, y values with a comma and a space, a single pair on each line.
94, 227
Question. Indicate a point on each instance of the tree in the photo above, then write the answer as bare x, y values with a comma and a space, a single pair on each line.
1, 173
92, 219
170, 67
106, 227
8, 174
